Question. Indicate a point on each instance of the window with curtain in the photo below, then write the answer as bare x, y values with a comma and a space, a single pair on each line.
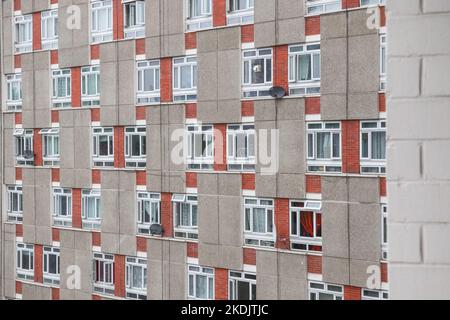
15, 203
200, 147
62, 206
259, 222
90, 209
185, 216
306, 225
199, 8
304, 69
23, 26
148, 210
103, 270
241, 147
49, 29
200, 283
136, 278
373, 147
101, 21
51, 271
323, 143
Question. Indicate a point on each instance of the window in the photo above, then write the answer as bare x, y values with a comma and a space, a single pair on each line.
148, 85
15, 203
50, 150
306, 226
321, 6
136, 278
200, 283
384, 232
199, 15
373, 147
241, 147
62, 207
90, 209
24, 146
371, 2
200, 146
257, 73
148, 211
185, 79
374, 295
134, 19
103, 147
135, 147
51, 265
185, 216
103, 273
14, 92
49, 29
240, 12
242, 286
304, 69
23, 26
324, 147
101, 21
323, 291
259, 222
90, 86
61, 97
383, 62
25, 261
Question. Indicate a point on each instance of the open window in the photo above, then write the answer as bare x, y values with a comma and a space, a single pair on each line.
134, 19
306, 226
241, 286
24, 147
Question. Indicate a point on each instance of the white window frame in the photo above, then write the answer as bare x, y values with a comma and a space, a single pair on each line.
93, 222
24, 23
189, 231
105, 34
194, 273
369, 294
317, 7
64, 101
202, 21
132, 265
23, 139
49, 40
302, 243
145, 97
189, 93
316, 288
136, 30
383, 61
98, 159
259, 239
60, 219
52, 136
384, 232
239, 163
13, 81
240, 16
135, 161
153, 202
105, 284
28, 272
236, 277
90, 73
368, 164
370, 3
15, 195
332, 164
206, 160
309, 86
49, 277
256, 90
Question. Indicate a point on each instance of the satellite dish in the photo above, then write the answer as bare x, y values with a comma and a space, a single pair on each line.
156, 229
28, 154
277, 92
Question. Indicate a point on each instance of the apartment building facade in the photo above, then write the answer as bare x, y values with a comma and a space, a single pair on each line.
145, 155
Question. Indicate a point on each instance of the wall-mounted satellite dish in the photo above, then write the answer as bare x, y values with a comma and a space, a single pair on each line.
28, 154
277, 92
156, 229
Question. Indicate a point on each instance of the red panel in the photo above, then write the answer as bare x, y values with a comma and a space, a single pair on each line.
192, 249
55, 234
191, 110
76, 87
17, 5
55, 116
190, 40
312, 26
219, 13
19, 230
350, 146
383, 190
55, 175
248, 108
384, 272
249, 256
382, 102
38, 272
18, 118
191, 179
220, 147
314, 264
352, 293
95, 115
19, 174
95, 52
313, 184
312, 105
96, 176
119, 276
119, 154
55, 293
37, 148
348, 4
166, 79
141, 244
140, 46
76, 208
18, 287
166, 214
141, 178
248, 181
282, 223
221, 284
96, 239
118, 22
140, 113
281, 68
54, 57
383, 16
248, 33
17, 61
37, 44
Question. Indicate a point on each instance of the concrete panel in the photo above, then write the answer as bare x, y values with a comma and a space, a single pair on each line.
220, 256
265, 10
265, 34
230, 221
34, 292
267, 275
82, 159
365, 232
26, 7
9, 148
127, 115
291, 146
333, 26
208, 219
154, 161
334, 189
357, 23
110, 211
126, 82
358, 272
291, 30
364, 190
207, 184
110, 242
41, 5
291, 186
335, 233
108, 85
362, 106
266, 186
336, 270
293, 276
7, 8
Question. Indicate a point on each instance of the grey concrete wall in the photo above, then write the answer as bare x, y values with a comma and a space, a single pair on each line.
8, 150
279, 22
219, 75
8, 41
36, 292
164, 28
9, 258
163, 124
166, 262
418, 144
350, 59
220, 225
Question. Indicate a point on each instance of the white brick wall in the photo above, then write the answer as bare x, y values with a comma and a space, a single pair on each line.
419, 148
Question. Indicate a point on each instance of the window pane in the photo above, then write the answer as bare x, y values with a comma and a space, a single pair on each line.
365, 145
323, 145
304, 67
378, 145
